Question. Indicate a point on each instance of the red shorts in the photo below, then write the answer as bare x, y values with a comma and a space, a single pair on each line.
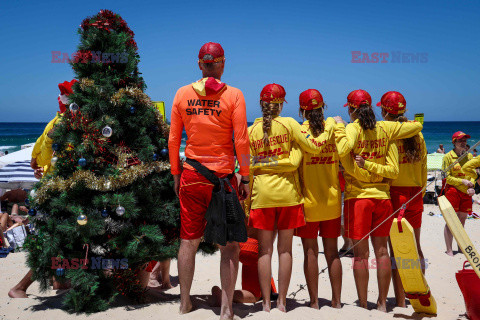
460, 201
280, 218
249, 259
326, 229
362, 215
195, 195
401, 195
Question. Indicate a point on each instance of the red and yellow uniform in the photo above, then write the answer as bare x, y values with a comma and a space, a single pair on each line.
367, 196
211, 112
278, 192
42, 150
412, 178
455, 190
469, 168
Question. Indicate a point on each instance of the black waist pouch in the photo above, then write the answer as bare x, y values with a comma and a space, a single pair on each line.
225, 216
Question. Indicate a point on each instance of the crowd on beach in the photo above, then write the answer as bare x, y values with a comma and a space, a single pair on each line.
321, 178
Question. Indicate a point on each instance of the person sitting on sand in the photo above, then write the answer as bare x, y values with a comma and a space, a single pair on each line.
459, 187
8, 221
160, 270
441, 149
250, 292
412, 178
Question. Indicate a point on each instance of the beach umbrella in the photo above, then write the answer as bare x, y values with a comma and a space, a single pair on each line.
17, 175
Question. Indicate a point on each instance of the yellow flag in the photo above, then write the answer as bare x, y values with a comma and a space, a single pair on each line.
161, 107
419, 117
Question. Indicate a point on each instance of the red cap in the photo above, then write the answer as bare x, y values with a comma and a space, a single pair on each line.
273, 93
393, 102
358, 97
213, 49
311, 99
66, 87
459, 135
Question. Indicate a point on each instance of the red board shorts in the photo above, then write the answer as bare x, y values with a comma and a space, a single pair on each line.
195, 195
283, 218
249, 259
362, 215
325, 229
401, 195
460, 201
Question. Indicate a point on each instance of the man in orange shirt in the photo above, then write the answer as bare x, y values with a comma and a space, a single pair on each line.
210, 111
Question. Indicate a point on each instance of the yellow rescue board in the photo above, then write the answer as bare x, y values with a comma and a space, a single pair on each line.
458, 231
414, 282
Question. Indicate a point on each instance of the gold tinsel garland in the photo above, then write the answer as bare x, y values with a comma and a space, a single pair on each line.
102, 184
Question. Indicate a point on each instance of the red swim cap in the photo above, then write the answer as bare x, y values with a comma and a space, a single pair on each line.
213, 49
311, 99
358, 97
273, 93
393, 102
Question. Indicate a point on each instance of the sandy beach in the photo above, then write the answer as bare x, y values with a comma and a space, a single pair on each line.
164, 305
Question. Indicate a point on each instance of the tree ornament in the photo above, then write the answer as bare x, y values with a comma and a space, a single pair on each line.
54, 161
32, 212
60, 272
155, 157
55, 147
32, 193
164, 153
105, 213
27, 201
73, 107
132, 110
120, 210
82, 219
82, 162
107, 131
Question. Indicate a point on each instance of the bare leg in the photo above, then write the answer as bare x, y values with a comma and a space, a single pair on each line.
334, 269
186, 269
384, 270
265, 250
284, 247
397, 282
228, 277
310, 268
360, 270
20, 290
165, 270
448, 240
3, 221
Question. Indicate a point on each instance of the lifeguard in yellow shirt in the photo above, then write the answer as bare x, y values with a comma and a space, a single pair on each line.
412, 178
321, 189
367, 207
276, 197
42, 152
459, 187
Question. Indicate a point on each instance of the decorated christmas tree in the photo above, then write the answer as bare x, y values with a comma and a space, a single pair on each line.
107, 207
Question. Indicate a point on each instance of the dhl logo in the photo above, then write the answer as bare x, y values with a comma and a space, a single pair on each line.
320, 160
270, 153
372, 155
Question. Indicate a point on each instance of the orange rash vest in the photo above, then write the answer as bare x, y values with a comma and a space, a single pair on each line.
210, 121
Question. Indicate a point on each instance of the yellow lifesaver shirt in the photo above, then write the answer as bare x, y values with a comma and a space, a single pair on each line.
42, 150
412, 174
455, 175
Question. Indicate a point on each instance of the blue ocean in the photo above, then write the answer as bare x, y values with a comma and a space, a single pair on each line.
13, 135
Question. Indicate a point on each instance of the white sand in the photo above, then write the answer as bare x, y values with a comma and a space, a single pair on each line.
440, 275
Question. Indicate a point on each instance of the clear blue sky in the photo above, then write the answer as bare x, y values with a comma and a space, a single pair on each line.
299, 44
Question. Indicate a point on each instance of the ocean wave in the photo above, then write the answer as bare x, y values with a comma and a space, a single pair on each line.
7, 147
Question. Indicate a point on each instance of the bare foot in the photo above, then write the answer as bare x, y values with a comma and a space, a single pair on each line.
185, 309
449, 253
336, 305
314, 305
401, 304
166, 286
17, 293
381, 307
266, 306
282, 308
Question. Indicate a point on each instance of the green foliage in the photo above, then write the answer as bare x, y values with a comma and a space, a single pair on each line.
149, 229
